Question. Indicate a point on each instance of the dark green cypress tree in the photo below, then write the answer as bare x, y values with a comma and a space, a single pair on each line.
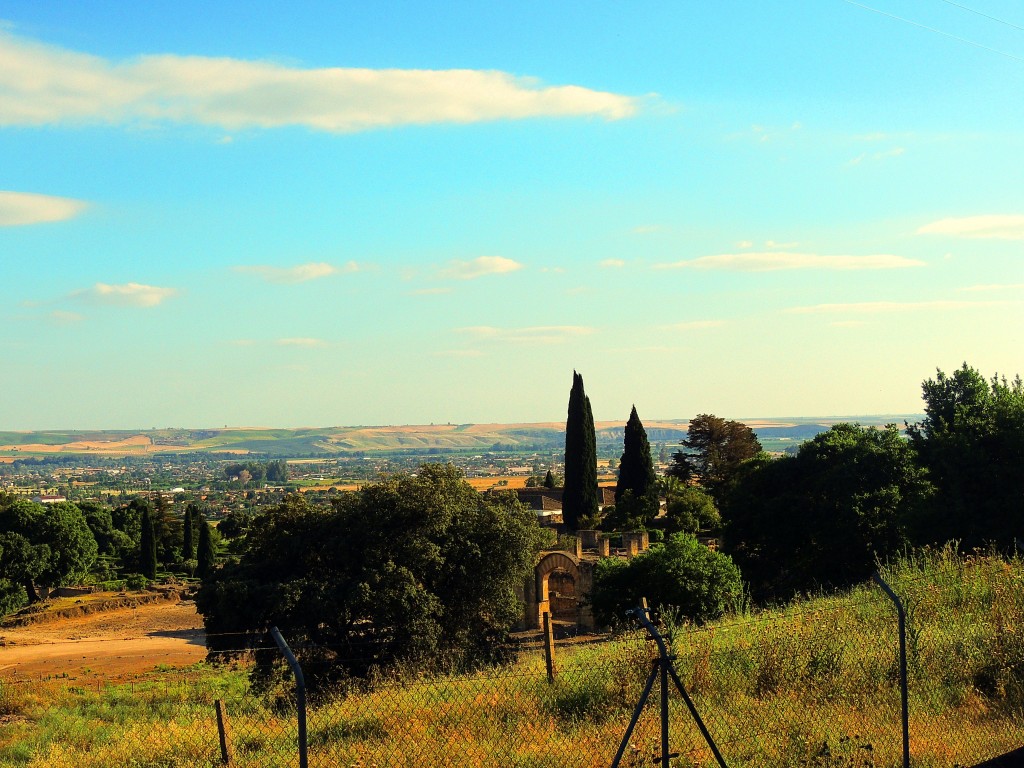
205, 554
188, 549
579, 499
147, 546
636, 470
549, 480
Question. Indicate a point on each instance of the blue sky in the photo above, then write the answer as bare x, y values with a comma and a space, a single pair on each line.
382, 213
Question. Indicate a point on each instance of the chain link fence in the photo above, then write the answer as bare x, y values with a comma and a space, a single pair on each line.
816, 684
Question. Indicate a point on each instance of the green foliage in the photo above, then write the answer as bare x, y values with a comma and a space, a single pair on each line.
420, 569
822, 518
689, 509
188, 533
972, 441
630, 513
147, 544
579, 499
205, 554
42, 545
714, 450
636, 470
700, 583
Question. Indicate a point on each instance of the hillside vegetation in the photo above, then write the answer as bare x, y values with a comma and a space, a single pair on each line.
812, 683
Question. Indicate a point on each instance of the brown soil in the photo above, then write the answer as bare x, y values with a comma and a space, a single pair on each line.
121, 640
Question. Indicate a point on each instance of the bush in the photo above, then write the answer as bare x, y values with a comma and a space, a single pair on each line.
136, 581
681, 573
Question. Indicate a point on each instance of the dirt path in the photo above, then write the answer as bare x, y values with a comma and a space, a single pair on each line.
109, 644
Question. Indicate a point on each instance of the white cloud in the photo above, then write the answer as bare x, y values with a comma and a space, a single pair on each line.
996, 227
880, 307
20, 208
613, 263
745, 244
693, 325
784, 246
300, 342
541, 334
44, 84
778, 260
127, 295
479, 267
300, 273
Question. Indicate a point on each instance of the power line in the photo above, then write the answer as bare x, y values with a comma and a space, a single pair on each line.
980, 13
936, 31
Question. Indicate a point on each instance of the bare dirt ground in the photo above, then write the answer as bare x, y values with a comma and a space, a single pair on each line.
115, 643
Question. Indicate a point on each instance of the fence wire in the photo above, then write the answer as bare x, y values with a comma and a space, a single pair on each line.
794, 688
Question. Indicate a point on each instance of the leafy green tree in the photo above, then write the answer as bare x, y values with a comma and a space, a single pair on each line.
147, 545
43, 545
689, 509
972, 441
188, 533
579, 499
550, 481
823, 517
681, 573
110, 541
636, 470
713, 451
205, 555
421, 569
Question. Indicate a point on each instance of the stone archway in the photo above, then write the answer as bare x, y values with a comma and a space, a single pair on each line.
538, 593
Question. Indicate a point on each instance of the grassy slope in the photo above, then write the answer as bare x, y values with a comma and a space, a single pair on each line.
773, 688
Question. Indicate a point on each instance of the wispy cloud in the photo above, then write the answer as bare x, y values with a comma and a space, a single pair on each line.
693, 325
429, 291
63, 317
995, 227
45, 84
884, 307
126, 295
613, 263
541, 334
300, 341
864, 157
300, 273
21, 208
479, 267
770, 261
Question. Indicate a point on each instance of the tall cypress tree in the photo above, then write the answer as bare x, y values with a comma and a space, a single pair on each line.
188, 549
579, 499
147, 554
205, 554
636, 470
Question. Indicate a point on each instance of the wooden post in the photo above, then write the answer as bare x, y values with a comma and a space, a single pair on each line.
225, 734
549, 647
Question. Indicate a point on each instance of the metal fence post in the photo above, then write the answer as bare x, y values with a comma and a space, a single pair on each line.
904, 687
300, 694
549, 647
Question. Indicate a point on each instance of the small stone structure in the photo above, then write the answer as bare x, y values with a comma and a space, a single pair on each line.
562, 581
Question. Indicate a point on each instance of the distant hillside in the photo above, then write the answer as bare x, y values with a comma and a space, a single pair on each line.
775, 434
